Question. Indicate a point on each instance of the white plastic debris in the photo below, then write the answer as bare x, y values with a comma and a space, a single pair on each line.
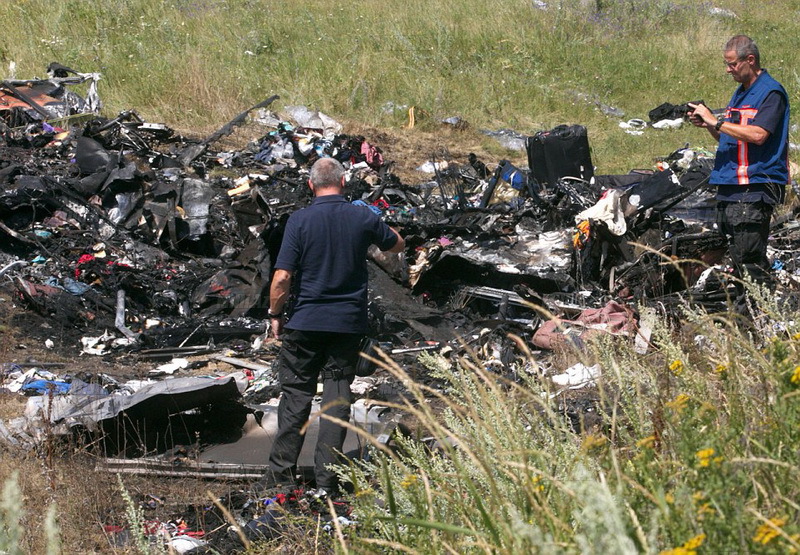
361, 386
633, 126
186, 544
431, 167
96, 345
170, 367
647, 320
304, 117
577, 376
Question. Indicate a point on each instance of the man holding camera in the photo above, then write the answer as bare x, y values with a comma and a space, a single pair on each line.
751, 169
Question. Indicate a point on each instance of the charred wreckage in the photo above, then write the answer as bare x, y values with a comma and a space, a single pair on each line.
143, 241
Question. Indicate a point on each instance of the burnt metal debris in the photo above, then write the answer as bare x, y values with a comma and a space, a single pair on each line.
121, 224
136, 239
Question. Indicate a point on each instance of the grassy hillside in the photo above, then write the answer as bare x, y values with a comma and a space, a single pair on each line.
521, 64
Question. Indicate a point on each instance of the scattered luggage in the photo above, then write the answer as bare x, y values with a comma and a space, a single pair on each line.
561, 152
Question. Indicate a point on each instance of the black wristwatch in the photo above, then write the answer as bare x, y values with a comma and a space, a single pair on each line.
271, 315
718, 125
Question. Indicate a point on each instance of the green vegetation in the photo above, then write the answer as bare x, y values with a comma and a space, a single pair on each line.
503, 63
695, 452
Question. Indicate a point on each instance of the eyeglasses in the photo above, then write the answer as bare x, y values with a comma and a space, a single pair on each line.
732, 65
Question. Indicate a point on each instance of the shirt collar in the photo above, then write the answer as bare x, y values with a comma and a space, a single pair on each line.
328, 198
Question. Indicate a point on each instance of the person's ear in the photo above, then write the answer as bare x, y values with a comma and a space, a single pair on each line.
310, 185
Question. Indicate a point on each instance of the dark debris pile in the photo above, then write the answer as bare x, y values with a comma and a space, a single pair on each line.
123, 224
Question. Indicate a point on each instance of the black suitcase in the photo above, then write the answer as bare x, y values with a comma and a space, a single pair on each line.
561, 152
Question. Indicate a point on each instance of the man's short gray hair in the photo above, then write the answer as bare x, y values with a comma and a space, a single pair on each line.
326, 172
743, 46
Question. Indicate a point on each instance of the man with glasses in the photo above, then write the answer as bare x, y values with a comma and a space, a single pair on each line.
751, 169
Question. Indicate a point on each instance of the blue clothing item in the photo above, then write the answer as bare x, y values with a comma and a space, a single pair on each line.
44, 387
747, 164
325, 246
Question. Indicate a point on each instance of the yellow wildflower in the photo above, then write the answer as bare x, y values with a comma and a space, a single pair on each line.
679, 403
669, 498
703, 510
796, 336
646, 442
363, 492
695, 542
795, 379
676, 367
688, 548
704, 456
409, 481
721, 369
536, 483
767, 531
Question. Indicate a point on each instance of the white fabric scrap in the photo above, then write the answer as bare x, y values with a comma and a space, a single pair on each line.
607, 210
668, 124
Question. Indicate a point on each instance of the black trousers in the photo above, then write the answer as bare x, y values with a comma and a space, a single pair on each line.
746, 224
304, 356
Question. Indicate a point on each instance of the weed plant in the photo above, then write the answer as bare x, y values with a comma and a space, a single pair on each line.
525, 65
697, 452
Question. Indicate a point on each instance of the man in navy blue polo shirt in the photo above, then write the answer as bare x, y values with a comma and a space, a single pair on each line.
323, 259
751, 168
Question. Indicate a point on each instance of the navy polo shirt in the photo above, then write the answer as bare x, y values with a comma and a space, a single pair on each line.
325, 246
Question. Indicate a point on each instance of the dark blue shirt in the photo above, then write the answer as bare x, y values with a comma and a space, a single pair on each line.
325, 246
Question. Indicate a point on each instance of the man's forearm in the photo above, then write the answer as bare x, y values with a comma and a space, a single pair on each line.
747, 133
400, 245
279, 291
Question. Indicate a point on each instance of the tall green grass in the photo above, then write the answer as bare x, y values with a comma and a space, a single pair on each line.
696, 452
194, 63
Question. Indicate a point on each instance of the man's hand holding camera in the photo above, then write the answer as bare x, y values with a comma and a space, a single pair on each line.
701, 116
